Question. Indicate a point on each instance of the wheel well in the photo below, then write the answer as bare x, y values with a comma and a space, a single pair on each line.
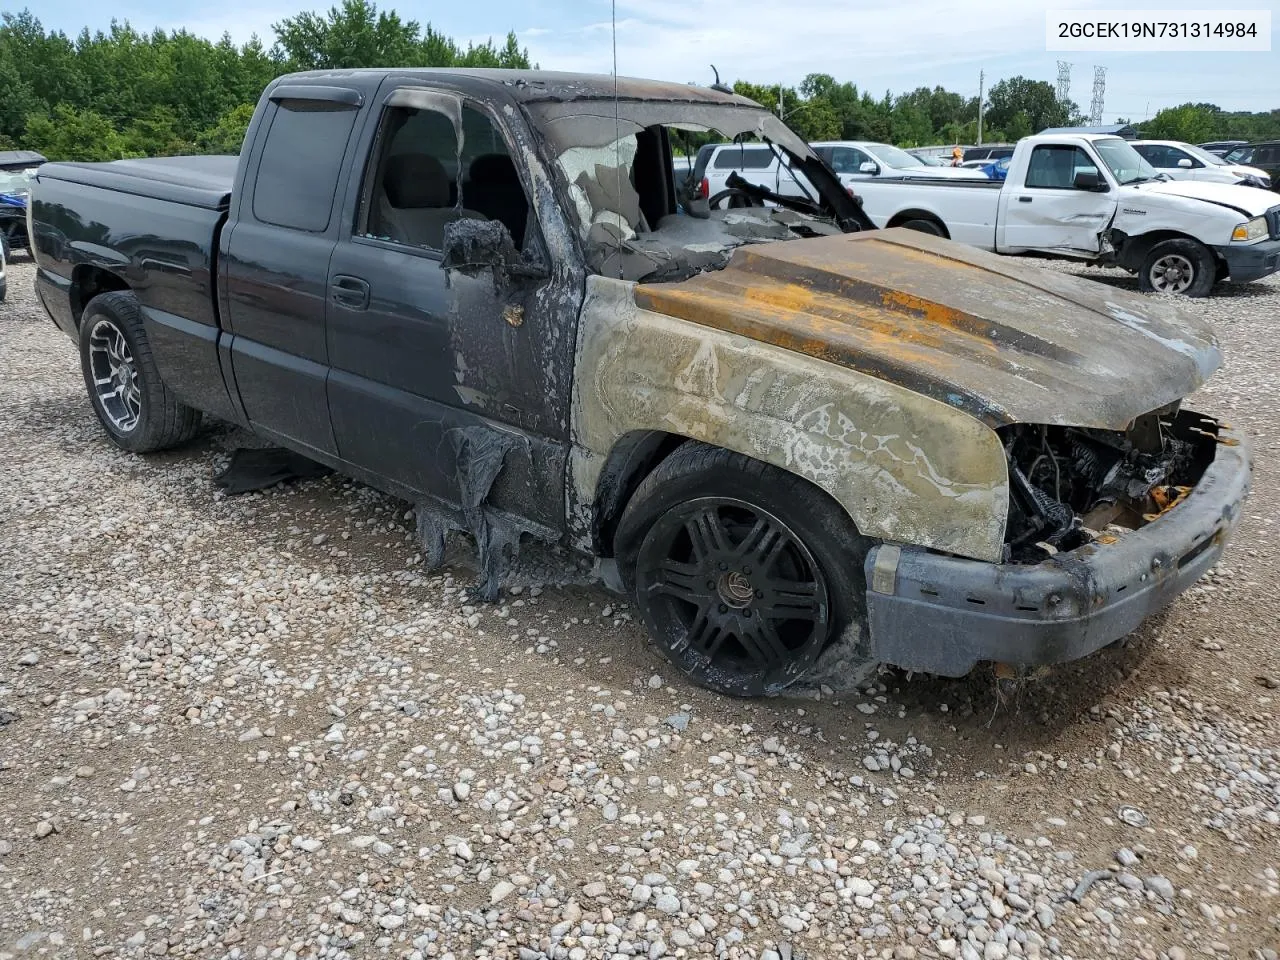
632, 458
898, 219
1133, 250
87, 282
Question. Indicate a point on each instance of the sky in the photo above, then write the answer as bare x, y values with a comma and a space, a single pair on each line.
878, 44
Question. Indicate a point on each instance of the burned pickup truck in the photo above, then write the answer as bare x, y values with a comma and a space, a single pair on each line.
778, 428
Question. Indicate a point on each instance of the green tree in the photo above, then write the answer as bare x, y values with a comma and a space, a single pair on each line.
1037, 99
70, 134
227, 136
356, 34
1192, 122
1019, 126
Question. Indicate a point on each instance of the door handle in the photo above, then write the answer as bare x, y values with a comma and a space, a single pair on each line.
1024, 199
350, 292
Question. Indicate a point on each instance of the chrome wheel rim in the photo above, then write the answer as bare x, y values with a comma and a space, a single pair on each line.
1172, 273
115, 376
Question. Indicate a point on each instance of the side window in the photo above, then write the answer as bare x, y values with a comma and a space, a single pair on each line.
848, 160
298, 173
423, 176
1054, 167
491, 187
1267, 154
744, 158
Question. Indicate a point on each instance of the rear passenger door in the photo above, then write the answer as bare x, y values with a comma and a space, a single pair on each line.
275, 255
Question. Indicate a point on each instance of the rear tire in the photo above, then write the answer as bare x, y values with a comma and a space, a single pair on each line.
743, 573
1181, 266
925, 226
139, 413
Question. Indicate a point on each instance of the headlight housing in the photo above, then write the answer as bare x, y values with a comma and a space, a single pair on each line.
1255, 229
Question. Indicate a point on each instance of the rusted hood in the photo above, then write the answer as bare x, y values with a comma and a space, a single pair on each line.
1006, 341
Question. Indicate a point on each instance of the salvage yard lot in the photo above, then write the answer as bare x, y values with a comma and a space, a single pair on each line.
255, 727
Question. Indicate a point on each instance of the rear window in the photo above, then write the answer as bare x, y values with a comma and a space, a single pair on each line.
298, 172
743, 158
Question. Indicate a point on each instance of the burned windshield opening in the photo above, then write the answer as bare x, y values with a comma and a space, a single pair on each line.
643, 217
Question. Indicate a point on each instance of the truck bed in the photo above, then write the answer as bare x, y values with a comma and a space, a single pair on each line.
157, 223
193, 181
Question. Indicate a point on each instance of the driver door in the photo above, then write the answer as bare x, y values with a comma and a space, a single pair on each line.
434, 373
1049, 212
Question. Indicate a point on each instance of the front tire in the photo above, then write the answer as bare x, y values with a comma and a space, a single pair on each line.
1180, 266
742, 573
139, 413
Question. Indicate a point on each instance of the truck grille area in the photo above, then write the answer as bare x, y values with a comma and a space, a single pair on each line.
1069, 486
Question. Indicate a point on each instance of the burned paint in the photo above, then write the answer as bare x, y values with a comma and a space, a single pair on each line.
480, 454
946, 321
905, 467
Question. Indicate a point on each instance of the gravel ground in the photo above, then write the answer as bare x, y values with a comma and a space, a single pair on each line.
254, 727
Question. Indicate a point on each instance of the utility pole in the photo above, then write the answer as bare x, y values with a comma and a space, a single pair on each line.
1099, 92
981, 79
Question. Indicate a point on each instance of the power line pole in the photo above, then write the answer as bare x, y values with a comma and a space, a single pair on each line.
1099, 90
1064, 81
981, 78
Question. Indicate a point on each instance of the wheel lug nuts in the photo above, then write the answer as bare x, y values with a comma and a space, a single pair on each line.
723, 608
746, 571
724, 566
759, 594
711, 584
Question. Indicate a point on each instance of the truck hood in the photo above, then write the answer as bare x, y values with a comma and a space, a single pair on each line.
1249, 201
1004, 341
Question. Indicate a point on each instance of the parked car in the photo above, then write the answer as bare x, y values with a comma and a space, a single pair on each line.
757, 163
775, 427
4, 280
1093, 198
1182, 161
1240, 154
1221, 148
929, 159
1266, 158
857, 160
15, 184
987, 153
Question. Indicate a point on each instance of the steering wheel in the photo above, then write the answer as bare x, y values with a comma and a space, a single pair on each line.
736, 198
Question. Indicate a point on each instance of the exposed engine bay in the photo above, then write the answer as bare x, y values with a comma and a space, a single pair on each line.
1070, 486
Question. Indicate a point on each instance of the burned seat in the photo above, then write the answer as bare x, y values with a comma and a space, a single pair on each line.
414, 203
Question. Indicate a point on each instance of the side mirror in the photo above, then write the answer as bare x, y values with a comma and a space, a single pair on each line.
1091, 181
869, 166
1185, 163
473, 247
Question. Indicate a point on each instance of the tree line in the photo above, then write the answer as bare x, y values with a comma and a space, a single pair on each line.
121, 93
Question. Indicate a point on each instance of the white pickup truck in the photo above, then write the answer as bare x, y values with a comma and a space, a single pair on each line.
1093, 198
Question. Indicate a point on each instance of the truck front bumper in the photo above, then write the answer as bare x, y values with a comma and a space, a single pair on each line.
942, 614
1251, 262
